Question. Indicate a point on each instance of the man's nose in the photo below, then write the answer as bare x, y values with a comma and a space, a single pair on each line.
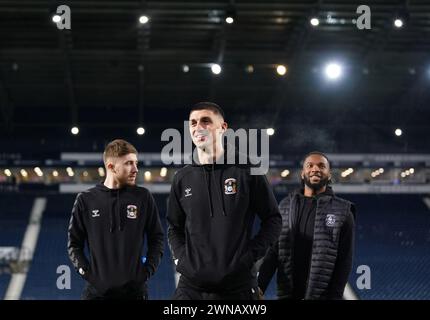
200, 125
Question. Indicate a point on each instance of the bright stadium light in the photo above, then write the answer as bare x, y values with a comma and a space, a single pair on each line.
315, 22
285, 173
70, 172
74, 130
398, 23
398, 132
270, 131
140, 131
163, 172
229, 20
56, 18
143, 19
216, 68
148, 175
333, 71
281, 69
38, 171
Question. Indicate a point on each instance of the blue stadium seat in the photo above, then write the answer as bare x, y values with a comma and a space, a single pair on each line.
392, 238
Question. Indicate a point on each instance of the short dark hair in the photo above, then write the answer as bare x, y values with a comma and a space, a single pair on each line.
208, 106
317, 153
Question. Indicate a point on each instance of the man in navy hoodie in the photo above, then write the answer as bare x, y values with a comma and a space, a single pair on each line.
113, 218
211, 212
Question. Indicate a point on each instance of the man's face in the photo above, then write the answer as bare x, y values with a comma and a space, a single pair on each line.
124, 169
206, 128
316, 172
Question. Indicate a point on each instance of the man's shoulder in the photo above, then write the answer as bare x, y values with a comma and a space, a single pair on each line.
342, 200
289, 196
87, 193
350, 206
184, 171
285, 202
140, 190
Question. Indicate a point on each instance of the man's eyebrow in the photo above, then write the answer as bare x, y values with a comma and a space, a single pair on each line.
319, 163
202, 118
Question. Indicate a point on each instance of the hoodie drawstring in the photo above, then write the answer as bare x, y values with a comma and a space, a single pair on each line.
116, 214
120, 227
220, 198
112, 217
208, 190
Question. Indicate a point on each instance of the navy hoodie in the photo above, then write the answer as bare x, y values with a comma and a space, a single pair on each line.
211, 212
114, 223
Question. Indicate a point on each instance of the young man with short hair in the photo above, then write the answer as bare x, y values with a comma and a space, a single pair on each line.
113, 218
211, 212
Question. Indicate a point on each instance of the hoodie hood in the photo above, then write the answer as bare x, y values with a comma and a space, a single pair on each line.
115, 216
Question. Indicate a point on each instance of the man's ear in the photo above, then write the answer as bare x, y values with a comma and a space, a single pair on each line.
110, 166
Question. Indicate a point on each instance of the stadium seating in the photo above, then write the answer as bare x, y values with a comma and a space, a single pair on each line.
393, 237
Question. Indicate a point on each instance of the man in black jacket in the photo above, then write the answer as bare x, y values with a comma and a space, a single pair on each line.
113, 218
314, 253
211, 211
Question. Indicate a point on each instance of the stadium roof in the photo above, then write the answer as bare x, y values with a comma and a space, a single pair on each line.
109, 74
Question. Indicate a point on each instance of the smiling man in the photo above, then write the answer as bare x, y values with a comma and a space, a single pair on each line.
211, 213
314, 252
113, 218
